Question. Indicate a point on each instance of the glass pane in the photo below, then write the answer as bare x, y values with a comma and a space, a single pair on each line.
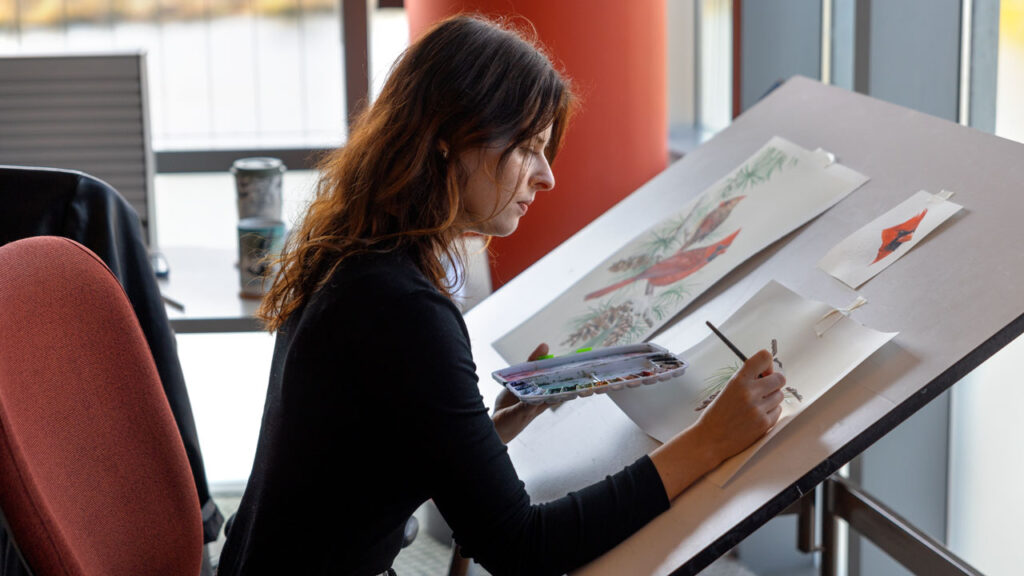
715, 64
1010, 84
88, 25
41, 26
8, 25
681, 61
389, 36
324, 77
222, 73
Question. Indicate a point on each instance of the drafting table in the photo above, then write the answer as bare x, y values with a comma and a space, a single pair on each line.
956, 298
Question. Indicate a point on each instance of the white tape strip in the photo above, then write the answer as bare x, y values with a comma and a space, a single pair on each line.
828, 157
835, 315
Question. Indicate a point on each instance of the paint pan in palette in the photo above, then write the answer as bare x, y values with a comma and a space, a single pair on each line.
555, 380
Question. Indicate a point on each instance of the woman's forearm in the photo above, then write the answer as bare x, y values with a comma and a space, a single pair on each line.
684, 459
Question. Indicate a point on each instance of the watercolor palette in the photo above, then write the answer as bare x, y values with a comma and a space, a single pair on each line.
555, 380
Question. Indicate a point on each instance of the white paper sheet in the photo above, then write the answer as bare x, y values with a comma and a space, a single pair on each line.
812, 365
638, 289
887, 238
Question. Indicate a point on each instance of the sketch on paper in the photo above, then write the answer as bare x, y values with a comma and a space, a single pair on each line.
715, 383
719, 378
643, 285
812, 365
887, 238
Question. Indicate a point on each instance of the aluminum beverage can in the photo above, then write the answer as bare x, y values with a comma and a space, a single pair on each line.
259, 241
258, 187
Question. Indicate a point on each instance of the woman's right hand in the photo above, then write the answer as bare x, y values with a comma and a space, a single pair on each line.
748, 406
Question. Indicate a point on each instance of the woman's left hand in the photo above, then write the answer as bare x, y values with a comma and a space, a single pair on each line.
511, 415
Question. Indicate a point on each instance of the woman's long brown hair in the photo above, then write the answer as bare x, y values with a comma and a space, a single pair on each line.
397, 183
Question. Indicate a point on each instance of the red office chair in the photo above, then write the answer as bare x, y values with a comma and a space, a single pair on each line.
93, 474
52, 202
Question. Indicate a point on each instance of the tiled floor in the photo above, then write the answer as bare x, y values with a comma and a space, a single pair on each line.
228, 504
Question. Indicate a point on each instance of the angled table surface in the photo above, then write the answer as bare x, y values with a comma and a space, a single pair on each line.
955, 299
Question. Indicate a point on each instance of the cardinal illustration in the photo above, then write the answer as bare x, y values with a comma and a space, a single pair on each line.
672, 269
712, 221
893, 238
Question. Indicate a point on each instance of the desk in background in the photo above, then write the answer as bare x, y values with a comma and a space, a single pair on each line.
205, 281
225, 359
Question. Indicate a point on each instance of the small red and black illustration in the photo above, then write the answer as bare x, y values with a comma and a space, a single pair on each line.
893, 238
674, 268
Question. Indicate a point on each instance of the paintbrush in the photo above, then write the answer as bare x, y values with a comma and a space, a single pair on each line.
742, 356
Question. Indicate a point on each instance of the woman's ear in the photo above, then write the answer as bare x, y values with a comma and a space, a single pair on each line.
442, 146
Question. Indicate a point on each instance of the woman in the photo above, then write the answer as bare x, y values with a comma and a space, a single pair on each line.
373, 405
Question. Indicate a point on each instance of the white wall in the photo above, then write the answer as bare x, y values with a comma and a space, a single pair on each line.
681, 62
987, 462
780, 38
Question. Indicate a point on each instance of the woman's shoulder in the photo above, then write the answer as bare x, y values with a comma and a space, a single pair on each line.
390, 271
374, 299
372, 281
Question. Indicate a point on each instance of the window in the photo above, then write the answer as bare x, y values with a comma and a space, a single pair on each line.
699, 71
222, 73
1010, 83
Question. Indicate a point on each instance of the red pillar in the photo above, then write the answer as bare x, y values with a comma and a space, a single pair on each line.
614, 52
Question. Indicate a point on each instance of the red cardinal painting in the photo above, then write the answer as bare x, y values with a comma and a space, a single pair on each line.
672, 269
712, 221
893, 238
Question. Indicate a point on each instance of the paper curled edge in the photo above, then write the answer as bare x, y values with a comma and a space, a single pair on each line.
835, 315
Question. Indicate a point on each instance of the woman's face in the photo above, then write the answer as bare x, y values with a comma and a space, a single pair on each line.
494, 200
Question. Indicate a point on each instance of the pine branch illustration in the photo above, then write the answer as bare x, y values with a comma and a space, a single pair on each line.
601, 325
631, 263
717, 381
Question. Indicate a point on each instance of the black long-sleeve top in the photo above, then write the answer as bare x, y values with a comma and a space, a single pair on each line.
372, 408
